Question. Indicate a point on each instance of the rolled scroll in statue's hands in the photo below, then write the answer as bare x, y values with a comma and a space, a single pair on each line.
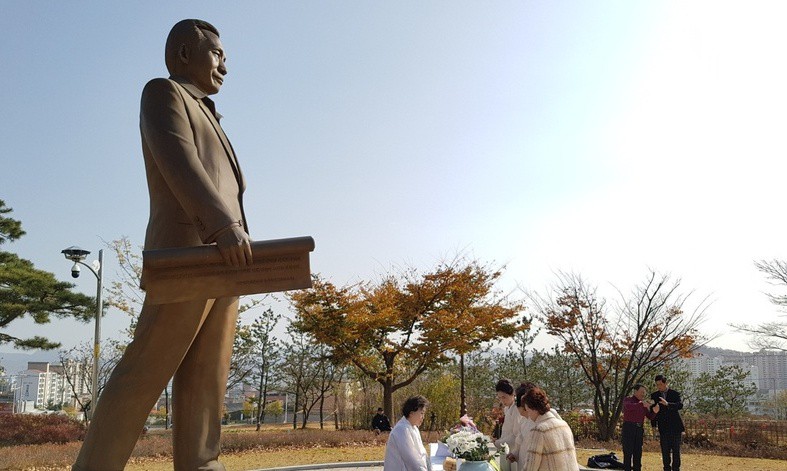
185, 274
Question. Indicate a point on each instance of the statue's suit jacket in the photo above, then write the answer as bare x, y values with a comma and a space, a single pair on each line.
194, 180
196, 190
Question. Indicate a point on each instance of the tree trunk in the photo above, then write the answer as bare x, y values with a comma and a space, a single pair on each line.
388, 399
336, 416
264, 399
523, 357
295, 411
322, 405
462, 396
304, 411
166, 408
260, 397
606, 421
305, 414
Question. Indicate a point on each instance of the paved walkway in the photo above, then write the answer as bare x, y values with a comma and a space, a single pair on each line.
350, 466
355, 466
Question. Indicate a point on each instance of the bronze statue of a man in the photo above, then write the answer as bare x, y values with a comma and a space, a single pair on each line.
196, 188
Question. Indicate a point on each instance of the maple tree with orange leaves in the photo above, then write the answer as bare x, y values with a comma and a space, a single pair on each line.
621, 346
395, 329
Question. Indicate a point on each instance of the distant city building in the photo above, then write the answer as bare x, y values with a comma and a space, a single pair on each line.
6, 394
771, 367
44, 384
702, 364
766, 369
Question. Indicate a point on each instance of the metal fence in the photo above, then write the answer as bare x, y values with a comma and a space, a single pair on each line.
703, 432
746, 432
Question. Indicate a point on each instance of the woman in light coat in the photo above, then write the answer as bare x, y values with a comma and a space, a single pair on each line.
512, 419
550, 443
405, 451
526, 425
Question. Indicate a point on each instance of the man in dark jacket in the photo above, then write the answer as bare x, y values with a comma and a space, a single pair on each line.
380, 422
669, 423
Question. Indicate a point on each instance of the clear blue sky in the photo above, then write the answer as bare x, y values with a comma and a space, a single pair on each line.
600, 137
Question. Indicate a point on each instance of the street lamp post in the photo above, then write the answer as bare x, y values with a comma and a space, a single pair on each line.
78, 255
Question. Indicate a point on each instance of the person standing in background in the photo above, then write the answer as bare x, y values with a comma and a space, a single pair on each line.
512, 419
633, 431
669, 422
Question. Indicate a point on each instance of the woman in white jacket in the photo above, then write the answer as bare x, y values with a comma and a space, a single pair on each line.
405, 451
525, 424
512, 419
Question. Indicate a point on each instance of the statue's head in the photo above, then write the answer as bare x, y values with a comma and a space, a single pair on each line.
194, 52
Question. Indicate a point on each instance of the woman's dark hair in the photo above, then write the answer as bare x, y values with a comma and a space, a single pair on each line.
521, 390
413, 404
504, 385
537, 400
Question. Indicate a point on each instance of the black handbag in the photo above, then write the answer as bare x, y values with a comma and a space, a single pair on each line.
605, 461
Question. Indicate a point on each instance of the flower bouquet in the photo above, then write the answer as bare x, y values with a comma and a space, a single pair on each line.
470, 445
465, 423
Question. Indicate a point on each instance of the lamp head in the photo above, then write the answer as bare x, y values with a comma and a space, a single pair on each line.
75, 254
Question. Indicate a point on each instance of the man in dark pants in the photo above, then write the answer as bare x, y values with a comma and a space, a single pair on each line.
634, 412
669, 422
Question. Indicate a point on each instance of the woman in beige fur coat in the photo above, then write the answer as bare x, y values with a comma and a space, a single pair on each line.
550, 444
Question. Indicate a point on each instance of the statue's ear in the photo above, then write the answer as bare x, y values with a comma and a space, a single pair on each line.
183, 54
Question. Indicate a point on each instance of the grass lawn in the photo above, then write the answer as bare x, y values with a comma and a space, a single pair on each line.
288, 457
246, 449
697, 462
269, 459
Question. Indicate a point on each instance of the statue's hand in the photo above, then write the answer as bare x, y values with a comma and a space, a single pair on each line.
235, 247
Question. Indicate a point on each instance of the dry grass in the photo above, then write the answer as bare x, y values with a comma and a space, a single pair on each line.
697, 462
275, 458
245, 449
156, 447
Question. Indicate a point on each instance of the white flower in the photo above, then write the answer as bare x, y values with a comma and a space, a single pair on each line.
469, 444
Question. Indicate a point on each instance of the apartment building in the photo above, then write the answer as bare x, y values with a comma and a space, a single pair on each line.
42, 384
771, 367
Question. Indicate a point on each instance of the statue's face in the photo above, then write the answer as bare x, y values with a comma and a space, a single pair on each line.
204, 65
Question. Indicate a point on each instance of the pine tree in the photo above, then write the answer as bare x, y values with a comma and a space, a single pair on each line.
28, 291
